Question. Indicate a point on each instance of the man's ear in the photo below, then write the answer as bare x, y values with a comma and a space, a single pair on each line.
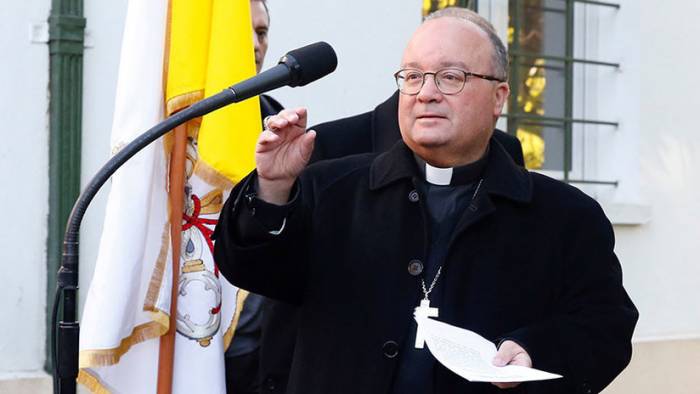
501, 93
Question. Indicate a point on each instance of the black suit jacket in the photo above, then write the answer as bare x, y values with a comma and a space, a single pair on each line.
373, 131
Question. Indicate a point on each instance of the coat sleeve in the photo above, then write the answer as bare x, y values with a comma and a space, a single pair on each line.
253, 258
588, 339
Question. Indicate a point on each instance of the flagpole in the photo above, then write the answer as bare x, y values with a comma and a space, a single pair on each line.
176, 191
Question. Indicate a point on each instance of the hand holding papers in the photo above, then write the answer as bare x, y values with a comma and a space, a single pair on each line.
469, 355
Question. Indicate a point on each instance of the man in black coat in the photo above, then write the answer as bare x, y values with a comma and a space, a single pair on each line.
259, 357
373, 131
444, 217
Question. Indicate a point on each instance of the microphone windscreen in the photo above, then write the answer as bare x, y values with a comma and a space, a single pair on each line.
312, 62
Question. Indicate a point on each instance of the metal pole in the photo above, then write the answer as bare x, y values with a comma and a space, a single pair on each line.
66, 36
514, 5
569, 89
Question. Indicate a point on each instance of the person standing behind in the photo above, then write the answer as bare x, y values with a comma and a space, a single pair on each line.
260, 16
241, 357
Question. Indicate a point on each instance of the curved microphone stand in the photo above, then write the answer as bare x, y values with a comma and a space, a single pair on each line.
64, 338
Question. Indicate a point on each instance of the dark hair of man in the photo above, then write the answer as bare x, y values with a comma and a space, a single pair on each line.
267, 10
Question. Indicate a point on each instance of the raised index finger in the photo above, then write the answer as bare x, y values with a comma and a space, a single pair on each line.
288, 117
295, 116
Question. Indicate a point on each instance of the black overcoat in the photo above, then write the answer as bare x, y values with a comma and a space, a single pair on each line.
531, 259
373, 131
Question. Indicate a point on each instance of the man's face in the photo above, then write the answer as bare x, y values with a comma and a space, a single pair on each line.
450, 130
261, 24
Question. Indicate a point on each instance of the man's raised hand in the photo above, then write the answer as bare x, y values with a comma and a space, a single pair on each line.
281, 154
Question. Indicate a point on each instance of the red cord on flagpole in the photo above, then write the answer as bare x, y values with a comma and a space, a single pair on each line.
176, 193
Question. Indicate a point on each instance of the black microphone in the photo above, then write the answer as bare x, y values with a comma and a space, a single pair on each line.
297, 68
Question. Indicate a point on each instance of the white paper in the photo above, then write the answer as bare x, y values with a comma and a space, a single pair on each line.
470, 356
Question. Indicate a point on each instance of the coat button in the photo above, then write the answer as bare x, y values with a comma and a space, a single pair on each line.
271, 384
390, 349
585, 388
415, 267
473, 207
413, 196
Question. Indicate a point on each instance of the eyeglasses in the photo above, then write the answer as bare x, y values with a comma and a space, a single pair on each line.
448, 80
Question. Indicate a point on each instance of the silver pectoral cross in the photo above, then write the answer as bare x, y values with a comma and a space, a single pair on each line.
423, 311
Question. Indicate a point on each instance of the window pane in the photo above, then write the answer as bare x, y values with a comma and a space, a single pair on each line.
540, 93
542, 27
537, 29
543, 145
541, 87
434, 5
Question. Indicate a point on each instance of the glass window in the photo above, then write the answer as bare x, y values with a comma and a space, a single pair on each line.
544, 110
434, 5
543, 67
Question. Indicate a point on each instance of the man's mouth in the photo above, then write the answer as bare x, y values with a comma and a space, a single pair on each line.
430, 116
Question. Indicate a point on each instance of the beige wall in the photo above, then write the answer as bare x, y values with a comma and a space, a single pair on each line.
666, 367
35, 383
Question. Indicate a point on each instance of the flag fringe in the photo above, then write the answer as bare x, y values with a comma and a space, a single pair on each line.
91, 382
158, 272
212, 202
106, 357
211, 176
184, 100
240, 299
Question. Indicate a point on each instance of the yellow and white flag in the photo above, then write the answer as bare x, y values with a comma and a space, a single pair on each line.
173, 54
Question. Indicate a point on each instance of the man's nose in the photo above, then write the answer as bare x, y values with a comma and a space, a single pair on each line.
256, 43
429, 91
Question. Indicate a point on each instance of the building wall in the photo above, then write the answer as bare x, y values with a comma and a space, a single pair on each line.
24, 78
368, 37
660, 257
668, 366
24, 178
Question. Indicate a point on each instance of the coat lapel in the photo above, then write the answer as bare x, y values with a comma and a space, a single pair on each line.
502, 178
385, 124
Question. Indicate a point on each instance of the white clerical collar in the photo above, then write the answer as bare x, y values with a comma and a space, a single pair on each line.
452, 176
438, 176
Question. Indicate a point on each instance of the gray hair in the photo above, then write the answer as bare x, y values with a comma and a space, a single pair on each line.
500, 55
